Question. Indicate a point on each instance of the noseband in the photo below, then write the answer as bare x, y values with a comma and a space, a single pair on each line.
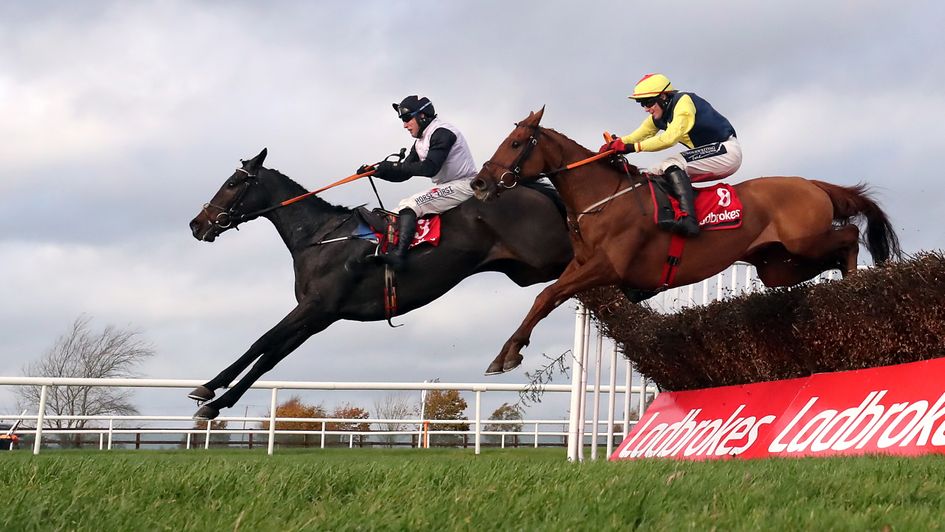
227, 218
515, 172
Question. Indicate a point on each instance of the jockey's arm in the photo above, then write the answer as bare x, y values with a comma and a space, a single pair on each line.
646, 130
441, 142
684, 117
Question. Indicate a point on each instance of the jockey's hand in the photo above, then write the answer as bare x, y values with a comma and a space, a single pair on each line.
617, 145
365, 168
387, 169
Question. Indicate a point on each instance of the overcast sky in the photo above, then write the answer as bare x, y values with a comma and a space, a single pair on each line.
119, 119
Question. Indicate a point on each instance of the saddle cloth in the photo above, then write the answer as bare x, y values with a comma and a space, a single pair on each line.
374, 226
717, 206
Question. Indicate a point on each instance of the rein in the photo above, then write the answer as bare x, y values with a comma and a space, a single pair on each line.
516, 172
301, 197
227, 218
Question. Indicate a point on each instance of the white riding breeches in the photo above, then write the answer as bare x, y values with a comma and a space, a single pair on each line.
706, 163
438, 198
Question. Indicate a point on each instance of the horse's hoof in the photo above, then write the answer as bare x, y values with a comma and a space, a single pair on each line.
201, 394
512, 362
495, 368
206, 413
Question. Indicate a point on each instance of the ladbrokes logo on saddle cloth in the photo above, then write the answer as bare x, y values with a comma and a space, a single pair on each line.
717, 206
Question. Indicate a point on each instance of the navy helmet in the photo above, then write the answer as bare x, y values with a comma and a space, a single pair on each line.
414, 105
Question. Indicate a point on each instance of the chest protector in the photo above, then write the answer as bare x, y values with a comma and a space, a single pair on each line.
459, 163
710, 126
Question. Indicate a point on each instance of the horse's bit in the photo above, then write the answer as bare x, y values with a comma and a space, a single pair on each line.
227, 218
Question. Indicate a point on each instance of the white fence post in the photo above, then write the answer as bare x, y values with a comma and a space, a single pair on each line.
574, 443
40, 418
478, 419
272, 421
628, 380
595, 415
612, 400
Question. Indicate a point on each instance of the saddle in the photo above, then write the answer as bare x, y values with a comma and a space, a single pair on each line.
717, 206
380, 226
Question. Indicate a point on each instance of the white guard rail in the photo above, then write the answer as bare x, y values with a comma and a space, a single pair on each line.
275, 386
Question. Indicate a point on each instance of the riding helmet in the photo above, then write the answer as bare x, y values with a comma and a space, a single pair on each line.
650, 86
415, 106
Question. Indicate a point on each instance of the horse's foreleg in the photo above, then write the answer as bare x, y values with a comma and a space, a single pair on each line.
574, 279
225, 377
275, 345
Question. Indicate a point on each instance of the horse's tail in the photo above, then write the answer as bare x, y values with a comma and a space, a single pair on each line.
850, 202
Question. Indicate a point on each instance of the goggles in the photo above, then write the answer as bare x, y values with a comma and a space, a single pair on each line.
646, 103
408, 116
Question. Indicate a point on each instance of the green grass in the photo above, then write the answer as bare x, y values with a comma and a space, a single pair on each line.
343, 489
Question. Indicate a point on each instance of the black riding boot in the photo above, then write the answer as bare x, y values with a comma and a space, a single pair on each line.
406, 227
682, 188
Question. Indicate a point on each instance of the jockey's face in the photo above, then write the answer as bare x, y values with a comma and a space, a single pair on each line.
413, 127
655, 110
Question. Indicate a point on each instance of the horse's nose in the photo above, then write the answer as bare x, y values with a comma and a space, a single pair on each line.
194, 226
478, 184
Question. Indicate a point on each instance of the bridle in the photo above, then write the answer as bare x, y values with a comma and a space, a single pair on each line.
231, 217
515, 172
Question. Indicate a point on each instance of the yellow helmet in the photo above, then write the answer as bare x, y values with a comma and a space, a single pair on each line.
651, 85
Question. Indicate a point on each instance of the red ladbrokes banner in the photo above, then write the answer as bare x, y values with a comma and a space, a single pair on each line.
893, 410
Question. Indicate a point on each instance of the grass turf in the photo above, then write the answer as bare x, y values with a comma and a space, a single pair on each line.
527, 489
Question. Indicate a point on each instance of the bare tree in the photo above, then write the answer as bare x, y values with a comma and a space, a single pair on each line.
113, 353
394, 406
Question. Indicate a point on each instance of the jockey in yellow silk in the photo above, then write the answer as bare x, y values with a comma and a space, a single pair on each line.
681, 118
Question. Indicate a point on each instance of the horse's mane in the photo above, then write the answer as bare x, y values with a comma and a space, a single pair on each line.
634, 171
313, 200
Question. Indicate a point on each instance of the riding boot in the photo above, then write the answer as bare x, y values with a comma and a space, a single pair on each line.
682, 188
407, 228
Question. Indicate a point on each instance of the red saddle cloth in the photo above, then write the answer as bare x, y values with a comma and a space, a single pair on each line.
428, 231
717, 207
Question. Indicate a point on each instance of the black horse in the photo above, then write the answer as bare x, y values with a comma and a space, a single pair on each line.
332, 283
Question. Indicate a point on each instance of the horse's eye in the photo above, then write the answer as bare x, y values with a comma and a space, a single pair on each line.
231, 184
516, 144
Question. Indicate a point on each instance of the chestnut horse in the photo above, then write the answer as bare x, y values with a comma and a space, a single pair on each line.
792, 228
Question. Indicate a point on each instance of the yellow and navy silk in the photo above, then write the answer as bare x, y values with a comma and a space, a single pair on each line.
687, 119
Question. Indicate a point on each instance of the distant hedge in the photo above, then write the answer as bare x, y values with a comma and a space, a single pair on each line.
884, 315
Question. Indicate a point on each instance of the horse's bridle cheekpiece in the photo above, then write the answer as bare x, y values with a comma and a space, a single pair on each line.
229, 217
516, 170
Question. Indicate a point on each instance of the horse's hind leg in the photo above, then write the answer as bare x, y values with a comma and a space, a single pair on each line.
788, 265
836, 248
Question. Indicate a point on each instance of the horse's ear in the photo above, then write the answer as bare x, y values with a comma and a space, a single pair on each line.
253, 164
534, 117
